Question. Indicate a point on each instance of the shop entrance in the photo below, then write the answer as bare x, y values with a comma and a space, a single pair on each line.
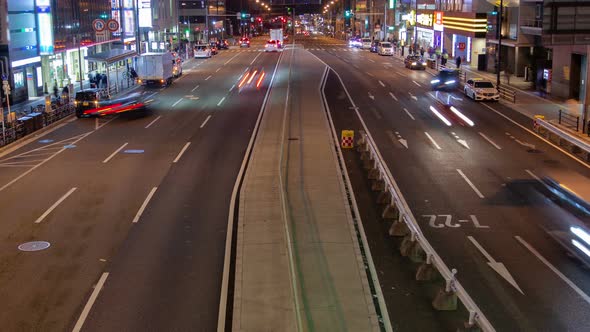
575, 71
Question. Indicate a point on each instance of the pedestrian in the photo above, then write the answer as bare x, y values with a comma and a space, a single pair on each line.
55, 91
103, 80
458, 62
402, 49
422, 51
507, 73
444, 59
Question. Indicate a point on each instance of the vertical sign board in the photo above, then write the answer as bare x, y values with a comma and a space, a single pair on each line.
45, 27
347, 139
145, 14
4, 37
116, 15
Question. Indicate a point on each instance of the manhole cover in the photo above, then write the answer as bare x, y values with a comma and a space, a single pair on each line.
69, 146
133, 151
34, 246
45, 141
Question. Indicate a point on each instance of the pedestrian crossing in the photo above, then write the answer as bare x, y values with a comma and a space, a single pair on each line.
336, 49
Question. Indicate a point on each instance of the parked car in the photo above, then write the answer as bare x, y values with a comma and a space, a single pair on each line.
385, 48
446, 79
481, 89
415, 62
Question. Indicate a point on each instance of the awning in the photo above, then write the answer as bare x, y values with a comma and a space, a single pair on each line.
111, 56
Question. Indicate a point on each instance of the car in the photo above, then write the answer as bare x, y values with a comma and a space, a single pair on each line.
415, 62
355, 42
244, 42
366, 43
271, 46
224, 44
87, 99
385, 48
374, 47
202, 51
481, 89
446, 79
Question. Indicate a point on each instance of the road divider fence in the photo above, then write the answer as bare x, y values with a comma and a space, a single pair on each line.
414, 244
575, 143
567, 120
507, 93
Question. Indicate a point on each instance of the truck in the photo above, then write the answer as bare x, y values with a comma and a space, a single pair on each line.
155, 68
277, 34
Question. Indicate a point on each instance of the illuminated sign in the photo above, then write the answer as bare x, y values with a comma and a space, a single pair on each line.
410, 18
475, 25
424, 19
145, 14
45, 27
438, 21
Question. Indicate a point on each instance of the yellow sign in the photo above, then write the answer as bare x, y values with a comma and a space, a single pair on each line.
425, 19
347, 139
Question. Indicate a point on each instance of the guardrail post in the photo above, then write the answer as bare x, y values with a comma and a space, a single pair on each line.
384, 197
399, 227
426, 271
407, 243
559, 117
446, 298
378, 184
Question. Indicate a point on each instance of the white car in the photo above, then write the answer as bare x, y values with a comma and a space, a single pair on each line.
272, 46
366, 43
481, 89
202, 51
385, 48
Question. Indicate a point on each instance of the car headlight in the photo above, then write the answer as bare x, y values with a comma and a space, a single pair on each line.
414, 63
424, 63
450, 82
435, 81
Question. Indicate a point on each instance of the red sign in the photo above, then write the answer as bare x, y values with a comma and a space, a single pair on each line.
461, 46
112, 25
438, 18
98, 25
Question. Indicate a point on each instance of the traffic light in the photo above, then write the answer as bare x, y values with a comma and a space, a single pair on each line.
347, 13
289, 10
104, 16
243, 15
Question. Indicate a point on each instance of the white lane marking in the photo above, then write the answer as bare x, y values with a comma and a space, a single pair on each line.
181, 152
59, 201
372, 60
370, 74
255, 59
554, 269
409, 114
176, 103
393, 96
218, 69
144, 205
114, 153
153, 121
151, 95
371, 96
221, 101
205, 122
489, 140
382, 84
208, 77
413, 97
433, 141
90, 303
581, 162
416, 83
96, 124
533, 175
470, 184
440, 116
195, 88
232, 87
231, 59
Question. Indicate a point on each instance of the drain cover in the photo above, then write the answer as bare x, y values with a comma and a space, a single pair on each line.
133, 151
34, 246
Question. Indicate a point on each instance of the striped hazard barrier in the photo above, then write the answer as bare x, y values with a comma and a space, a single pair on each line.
347, 139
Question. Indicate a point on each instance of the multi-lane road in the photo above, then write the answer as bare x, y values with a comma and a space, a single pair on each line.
469, 187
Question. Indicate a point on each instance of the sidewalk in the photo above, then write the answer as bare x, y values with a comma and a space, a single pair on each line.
298, 264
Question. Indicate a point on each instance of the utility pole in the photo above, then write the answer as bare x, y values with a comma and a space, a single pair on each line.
499, 53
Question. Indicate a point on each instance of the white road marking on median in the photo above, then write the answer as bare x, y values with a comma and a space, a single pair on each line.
205, 122
433, 141
231, 59
96, 124
413, 97
416, 83
153, 121
251, 63
496, 266
533, 175
208, 77
372, 60
393, 96
195, 88
221, 101
382, 84
470, 184
554, 269
370, 74
59, 201
90, 303
181, 152
371, 96
218, 69
232, 87
409, 114
114, 153
144, 205
176, 103
489, 141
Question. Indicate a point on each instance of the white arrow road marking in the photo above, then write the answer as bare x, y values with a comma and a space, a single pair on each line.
433, 141
393, 96
382, 84
409, 114
460, 141
401, 140
470, 184
413, 97
371, 96
496, 266
554, 269
490, 141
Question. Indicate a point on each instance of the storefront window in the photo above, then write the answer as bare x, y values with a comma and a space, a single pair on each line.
19, 79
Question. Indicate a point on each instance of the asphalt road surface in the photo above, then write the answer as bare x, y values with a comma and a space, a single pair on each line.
135, 207
469, 187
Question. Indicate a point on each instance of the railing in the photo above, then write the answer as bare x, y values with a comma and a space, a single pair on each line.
507, 93
570, 141
567, 120
533, 23
406, 220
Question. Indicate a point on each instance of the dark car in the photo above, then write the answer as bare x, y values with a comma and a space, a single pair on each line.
446, 79
415, 62
244, 42
213, 47
374, 47
224, 44
86, 100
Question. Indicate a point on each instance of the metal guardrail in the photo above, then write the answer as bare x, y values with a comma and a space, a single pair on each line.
507, 93
568, 120
452, 285
540, 124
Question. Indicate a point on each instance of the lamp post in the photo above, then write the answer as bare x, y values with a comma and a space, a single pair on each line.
499, 32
